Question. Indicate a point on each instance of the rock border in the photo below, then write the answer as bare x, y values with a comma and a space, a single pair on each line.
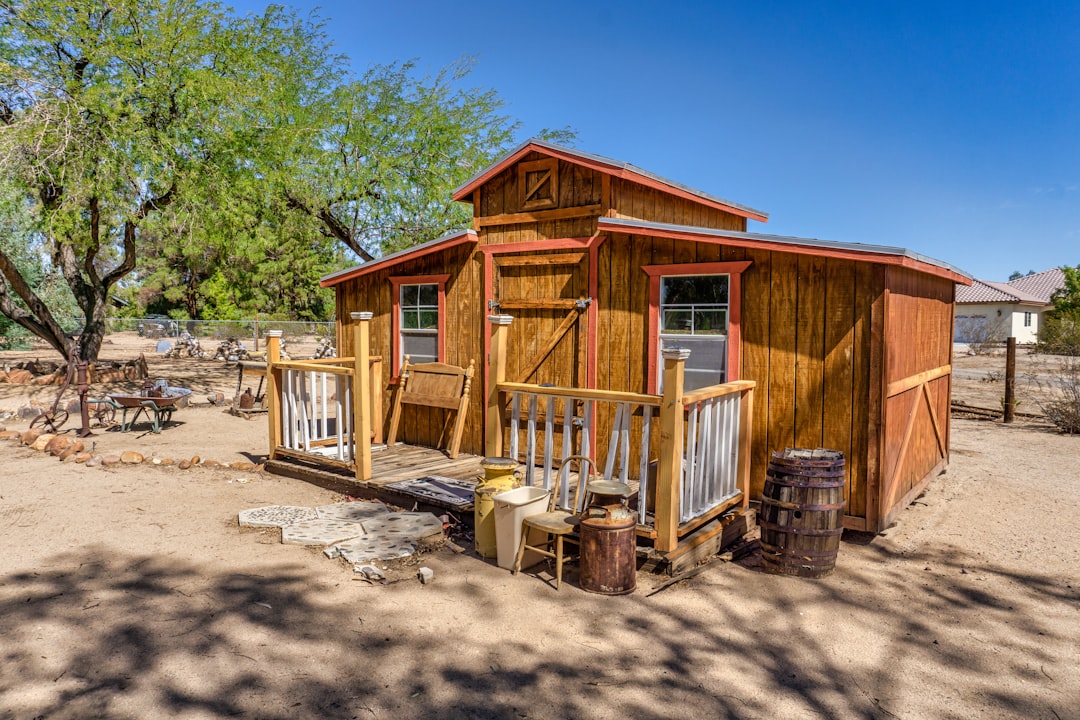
71, 449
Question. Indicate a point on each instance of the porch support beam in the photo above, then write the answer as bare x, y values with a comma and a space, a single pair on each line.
273, 401
669, 475
362, 393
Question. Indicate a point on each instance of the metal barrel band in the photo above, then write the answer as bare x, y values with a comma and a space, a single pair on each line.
768, 549
809, 532
785, 482
797, 506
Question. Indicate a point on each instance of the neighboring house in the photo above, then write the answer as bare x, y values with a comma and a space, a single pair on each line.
603, 265
993, 311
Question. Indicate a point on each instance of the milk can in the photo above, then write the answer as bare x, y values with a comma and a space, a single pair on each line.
608, 541
500, 474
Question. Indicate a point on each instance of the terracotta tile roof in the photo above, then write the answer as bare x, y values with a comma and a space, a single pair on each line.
986, 291
1041, 285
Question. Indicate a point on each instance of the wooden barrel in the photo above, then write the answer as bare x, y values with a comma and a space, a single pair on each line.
802, 512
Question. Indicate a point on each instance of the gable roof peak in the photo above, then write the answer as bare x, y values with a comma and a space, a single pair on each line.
615, 168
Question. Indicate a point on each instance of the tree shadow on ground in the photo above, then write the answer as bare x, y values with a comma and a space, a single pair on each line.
119, 636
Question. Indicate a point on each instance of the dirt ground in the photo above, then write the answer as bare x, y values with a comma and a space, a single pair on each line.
130, 592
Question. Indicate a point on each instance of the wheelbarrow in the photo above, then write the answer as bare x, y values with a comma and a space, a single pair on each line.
158, 410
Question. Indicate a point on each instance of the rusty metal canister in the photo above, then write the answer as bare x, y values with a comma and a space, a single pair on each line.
608, 550
500, 474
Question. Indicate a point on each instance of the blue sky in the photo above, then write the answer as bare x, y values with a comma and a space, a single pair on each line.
948, 128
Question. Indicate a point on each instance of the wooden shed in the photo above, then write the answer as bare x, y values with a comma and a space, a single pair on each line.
602, 265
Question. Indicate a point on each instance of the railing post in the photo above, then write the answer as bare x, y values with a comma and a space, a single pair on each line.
746, 427
376, 401
495, 415
362, 393
669, 472
273, 401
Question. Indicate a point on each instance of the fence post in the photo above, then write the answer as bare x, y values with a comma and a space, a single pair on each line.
273, 401
1010, 380
669, 475
495, 416
362, 393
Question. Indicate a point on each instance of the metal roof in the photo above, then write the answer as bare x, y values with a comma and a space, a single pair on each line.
614, 165
860, 248
451, 239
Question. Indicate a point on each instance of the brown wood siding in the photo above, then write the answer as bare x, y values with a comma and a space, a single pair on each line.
919, 315
630, 200
464, 324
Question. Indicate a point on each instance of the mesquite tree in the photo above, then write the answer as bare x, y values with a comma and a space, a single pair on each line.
117, 114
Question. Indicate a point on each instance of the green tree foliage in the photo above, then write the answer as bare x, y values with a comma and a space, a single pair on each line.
1060, 332
122, 114
208, 165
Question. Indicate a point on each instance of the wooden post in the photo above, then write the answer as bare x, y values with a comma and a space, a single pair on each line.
746, 426
1010, 379
362, 393
495, 416
273, 402
669, 475
376, 401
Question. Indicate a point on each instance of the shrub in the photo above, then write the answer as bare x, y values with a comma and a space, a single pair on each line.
1062, 406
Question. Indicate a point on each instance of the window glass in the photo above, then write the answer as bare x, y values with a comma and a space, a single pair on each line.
420, 322
694, 315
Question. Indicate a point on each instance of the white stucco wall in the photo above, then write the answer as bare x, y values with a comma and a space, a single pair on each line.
999, 320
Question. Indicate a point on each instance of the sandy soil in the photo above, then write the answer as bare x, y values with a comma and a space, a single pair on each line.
129, 592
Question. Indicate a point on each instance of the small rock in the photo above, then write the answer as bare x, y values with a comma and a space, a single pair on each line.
425, 575
130, 457
19, 376
195, 459
167, 461
10, 435
28, 437
184, 464
83, 457
211, 463
29, 412
42, 441
110, 459
69, 452
97, 460
59, 444
241, 465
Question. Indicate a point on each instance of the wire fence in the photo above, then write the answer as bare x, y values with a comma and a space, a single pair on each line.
220, 329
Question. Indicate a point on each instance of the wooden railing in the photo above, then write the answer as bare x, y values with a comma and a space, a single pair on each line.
538, 413
702, 451
328, 410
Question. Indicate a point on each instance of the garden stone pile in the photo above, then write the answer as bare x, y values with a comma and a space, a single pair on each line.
356, 531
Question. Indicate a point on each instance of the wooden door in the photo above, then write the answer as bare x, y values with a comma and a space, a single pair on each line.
547, 295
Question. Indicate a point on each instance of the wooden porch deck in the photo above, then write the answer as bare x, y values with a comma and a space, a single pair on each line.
388, 464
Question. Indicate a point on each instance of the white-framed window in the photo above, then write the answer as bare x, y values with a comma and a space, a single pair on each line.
419, 322
1027, 319
694, 314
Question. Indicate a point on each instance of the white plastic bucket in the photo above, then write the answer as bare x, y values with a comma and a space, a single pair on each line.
511, 507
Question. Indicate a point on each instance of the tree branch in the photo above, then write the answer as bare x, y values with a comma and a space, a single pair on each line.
39, 320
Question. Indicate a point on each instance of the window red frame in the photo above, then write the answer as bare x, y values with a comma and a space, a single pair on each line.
395, 315
734, 272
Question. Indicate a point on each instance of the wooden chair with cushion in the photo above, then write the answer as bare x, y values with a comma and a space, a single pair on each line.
558, 524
